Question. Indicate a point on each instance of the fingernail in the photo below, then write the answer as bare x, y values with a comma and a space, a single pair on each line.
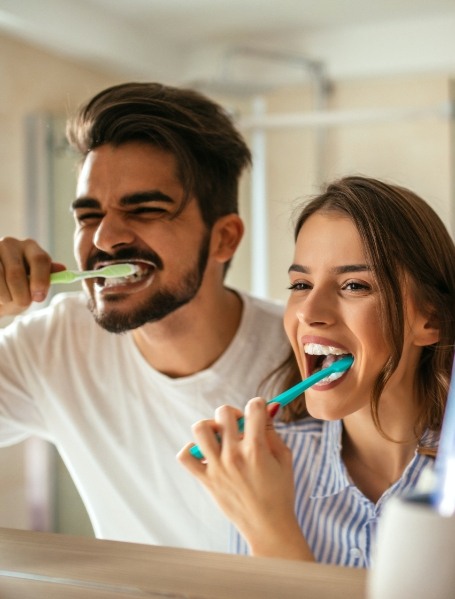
38, 296
274, 409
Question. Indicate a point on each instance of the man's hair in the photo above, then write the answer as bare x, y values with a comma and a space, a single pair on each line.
209, 151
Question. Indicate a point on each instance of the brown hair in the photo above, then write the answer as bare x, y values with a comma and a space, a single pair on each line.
403, 239
210, 153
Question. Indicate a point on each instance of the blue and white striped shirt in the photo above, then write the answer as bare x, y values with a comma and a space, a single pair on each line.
337, 520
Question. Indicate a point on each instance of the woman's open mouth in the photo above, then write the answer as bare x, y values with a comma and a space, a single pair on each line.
318, 356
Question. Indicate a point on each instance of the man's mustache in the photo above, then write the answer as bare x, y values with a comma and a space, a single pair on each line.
124, 255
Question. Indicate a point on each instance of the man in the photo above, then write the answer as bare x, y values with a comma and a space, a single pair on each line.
157, 187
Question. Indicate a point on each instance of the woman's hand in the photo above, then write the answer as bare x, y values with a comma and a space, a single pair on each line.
250, 476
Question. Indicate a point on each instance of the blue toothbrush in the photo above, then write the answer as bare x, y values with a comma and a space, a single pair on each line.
287, 396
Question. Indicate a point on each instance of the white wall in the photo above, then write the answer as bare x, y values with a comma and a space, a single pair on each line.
31, 80
396, 128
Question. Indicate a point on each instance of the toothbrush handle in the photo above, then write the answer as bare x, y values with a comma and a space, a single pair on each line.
64, 276
290, 394
283, 399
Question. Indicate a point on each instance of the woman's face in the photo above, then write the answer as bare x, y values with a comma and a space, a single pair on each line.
334, 309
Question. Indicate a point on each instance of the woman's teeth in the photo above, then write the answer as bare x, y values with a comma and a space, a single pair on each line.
331, 354
316, 349
332, 377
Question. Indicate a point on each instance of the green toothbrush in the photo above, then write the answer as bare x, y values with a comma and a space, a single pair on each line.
112, 271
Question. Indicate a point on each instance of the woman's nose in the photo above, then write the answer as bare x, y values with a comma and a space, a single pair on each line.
317, 309
111, 233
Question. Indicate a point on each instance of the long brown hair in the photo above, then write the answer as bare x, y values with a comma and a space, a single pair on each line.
403, 238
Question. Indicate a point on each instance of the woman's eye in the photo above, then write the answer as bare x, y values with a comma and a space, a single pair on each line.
356, 286
299, 286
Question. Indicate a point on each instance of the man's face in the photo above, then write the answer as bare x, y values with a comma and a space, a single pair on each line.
126, 209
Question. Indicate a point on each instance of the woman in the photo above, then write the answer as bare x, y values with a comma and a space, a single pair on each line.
373, 275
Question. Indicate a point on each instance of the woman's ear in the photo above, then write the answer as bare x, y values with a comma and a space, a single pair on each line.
227, 232
426, 329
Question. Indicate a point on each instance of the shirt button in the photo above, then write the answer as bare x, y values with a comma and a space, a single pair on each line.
355, 553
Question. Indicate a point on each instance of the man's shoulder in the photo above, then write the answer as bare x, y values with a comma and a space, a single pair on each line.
267, 307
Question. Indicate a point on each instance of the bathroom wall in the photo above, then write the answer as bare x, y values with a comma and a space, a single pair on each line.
396, 128
31, 81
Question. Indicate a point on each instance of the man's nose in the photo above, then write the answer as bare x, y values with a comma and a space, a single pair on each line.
112, 232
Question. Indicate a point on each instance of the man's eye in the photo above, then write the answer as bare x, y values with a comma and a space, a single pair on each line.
86, 217
149, 210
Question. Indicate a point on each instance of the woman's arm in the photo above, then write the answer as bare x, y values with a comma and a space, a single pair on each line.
250, 477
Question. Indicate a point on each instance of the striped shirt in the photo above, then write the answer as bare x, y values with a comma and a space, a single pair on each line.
337, 520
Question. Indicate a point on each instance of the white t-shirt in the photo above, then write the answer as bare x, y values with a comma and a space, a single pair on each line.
118, 423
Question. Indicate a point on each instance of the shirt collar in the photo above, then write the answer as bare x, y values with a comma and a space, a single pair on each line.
333, 477
332, 474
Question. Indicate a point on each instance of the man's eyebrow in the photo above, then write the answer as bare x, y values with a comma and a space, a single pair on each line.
140, 197
338, 270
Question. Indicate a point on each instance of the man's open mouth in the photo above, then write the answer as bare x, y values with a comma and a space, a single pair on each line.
143, 271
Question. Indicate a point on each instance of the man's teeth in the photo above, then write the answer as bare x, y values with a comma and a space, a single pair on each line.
125, 280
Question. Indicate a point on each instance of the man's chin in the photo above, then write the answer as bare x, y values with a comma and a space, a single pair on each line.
117, 320
116, 323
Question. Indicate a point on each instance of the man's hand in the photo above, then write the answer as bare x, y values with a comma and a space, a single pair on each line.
24, 274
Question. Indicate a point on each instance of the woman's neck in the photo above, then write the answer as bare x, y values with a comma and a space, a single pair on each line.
376, 461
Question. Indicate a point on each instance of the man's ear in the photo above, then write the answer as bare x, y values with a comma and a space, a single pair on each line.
227, 233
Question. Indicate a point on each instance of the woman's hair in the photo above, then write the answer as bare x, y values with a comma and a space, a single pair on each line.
405, 242
209, 151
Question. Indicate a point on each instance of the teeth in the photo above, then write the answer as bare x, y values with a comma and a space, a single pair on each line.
125, 280
315, 349
332, 377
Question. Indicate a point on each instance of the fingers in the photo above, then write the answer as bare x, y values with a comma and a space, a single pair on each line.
24, 274
195, 466
227, 419
209, 434
260, 433
222, 436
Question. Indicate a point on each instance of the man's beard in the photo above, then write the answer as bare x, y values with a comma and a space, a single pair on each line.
158, 305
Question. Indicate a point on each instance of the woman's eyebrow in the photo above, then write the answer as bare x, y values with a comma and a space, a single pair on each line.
338, 270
